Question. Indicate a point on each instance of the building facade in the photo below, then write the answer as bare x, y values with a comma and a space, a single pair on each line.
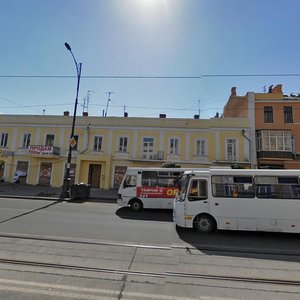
274, 120
36, 146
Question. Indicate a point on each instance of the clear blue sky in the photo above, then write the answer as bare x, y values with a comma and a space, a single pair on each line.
163, 38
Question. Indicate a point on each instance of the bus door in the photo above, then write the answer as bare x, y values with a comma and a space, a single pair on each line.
197, 199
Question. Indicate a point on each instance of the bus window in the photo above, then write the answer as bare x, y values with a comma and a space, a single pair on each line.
198, 190
232, 186
149, 178
278, 187
130, 181
289, 187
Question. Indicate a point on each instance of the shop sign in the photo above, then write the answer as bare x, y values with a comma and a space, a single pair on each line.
40, 150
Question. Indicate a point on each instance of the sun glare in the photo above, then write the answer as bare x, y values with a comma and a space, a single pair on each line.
151, 3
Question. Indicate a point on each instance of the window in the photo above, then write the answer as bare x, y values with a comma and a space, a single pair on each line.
168, 178
288, 114
148, 147
149, 178
3, 139
26, 140
174, 146
281, 187
75, 147
198, 190
160, 178
49, 140
201, 148
232, 186
273, 140
268, 114
123, 144
231, 150
130, 181
98, 143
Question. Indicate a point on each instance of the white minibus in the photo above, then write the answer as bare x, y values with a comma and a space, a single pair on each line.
239, 199
149, 188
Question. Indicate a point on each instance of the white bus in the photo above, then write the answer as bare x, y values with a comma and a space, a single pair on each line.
239, 199
149, 188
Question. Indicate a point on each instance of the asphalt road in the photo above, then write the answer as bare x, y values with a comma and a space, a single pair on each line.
70, 250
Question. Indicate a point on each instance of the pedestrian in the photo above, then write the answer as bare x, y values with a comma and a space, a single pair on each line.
16, 181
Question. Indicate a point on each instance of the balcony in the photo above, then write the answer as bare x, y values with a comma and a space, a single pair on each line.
275, 154
173, 157
43, 151
150, 156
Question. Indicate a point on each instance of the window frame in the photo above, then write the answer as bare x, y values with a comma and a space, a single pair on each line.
201, 147
96, 143
174, 146
268, 114
288, 114
3, 139
26, 140
123, 144
48, 140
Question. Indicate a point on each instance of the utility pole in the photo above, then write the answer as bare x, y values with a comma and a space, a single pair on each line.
199, 108
107, 103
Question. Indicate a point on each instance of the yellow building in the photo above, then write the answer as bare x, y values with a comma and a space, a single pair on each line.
36, 146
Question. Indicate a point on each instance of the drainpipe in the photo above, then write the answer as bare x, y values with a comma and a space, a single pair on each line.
245, 136
87, 139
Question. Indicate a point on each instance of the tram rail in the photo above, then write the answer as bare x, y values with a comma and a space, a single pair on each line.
152, 274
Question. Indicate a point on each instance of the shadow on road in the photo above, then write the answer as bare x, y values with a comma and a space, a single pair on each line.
260, 245
164, 215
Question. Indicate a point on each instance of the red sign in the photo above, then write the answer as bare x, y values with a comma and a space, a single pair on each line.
156, 192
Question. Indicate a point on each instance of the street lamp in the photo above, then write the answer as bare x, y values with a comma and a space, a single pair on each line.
65, 193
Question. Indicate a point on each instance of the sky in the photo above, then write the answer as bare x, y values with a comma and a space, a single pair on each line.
173, 57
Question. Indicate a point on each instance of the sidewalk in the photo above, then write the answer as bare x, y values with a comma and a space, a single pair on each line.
52, 193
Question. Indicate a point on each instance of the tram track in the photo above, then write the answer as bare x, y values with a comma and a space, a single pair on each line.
194, 248
152, 274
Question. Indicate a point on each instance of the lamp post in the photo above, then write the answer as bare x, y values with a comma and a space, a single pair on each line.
65, 193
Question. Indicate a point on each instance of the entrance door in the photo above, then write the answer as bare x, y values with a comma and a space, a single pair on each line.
45, 173
94, 176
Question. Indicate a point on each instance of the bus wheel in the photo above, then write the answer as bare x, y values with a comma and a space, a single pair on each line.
204, 224
136, 205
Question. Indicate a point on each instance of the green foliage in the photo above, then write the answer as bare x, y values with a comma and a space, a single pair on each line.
237, 166
170, 165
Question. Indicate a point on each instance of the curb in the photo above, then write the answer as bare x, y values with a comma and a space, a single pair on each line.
78, 200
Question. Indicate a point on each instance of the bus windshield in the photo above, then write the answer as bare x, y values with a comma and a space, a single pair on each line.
183, 187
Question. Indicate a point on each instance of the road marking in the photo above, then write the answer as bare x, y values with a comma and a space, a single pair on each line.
85, 293
55, 293
57, 286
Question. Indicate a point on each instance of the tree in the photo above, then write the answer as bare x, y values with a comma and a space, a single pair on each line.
170, 165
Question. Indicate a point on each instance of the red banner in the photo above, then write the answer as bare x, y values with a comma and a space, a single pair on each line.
156, 192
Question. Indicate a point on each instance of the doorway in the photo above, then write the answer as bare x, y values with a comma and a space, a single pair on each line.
45, 173
94, 176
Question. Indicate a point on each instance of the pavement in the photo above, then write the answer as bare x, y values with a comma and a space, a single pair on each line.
28, 191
